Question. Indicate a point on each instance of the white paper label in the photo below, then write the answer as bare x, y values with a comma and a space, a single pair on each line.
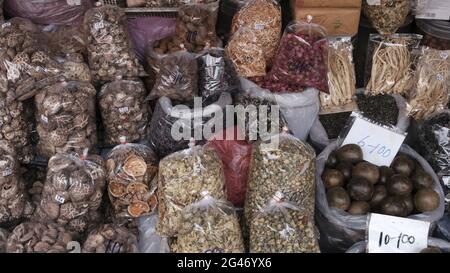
123, 110
99, 25
74, 2
389, 234
60, 199
433, 9
259, 26
7, 172
44, 119
379, 144
373, 2
6, 24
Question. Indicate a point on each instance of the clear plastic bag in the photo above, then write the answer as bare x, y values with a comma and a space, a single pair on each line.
283, 227
14, 204
37, 237
149, 240
176, 77
65, 40
73, 191
209, 226
302, 57
45, 12
432, 84
263, 17
3, 238
339, 230
196, 25
65, 118
442, 245
168, 117
216, 74
341, 74
386, 16
110, 238
245, 53
28, 64
182, 178
288, 167
124, 111
390, 61
236, 156
131, 170
110, 51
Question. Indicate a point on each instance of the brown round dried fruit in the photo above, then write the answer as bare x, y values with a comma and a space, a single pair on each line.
135, 166
117, 189
137, 208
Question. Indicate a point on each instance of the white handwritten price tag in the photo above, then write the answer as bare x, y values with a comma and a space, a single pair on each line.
60, 199
374, 2
389, 234
379, 144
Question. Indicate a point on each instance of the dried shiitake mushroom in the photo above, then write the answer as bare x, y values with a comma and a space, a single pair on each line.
124, 111
110, 238
131, 169
73, 190
66, 118
36, 237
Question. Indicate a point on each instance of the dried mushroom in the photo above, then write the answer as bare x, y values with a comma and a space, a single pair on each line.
14, 204
387, 16
263, 17
27, 63
131, 169
110, 238
209, 226
36, 237
168, 3
72, 192
283, 227
181, 179
66, 118
288, 167
124, 111
196, 26
14, 126
3, 238
110, 51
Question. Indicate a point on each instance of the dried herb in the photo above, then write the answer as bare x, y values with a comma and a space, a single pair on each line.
110, 238
387, 16
370, 106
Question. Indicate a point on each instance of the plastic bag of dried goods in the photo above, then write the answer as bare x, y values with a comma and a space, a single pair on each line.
3, 238
432, 84
176, 77
110, 51
295, 179
14, 204
196, 25
209, 226
110, 238
73, 191
149, 240
302, 57
66, 118
145, 30
282, 226
131, 168
37, 237
236, 154
339, 229
386, 16
216, 74
172, 125
245, 53
124, 111
263, 17
181, 179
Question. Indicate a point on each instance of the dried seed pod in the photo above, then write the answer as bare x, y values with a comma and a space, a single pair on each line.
14, 204
110, 51
66, 118
72, 192
36, 237
124, 111
288, 167
110, 238
131, 171
263, 17
181, 179
282, 226
209, 226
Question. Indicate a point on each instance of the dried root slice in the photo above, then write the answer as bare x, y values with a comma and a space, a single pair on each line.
137, 208
117, 189
135, 166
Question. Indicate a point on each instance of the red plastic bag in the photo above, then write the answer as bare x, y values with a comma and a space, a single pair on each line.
236, 157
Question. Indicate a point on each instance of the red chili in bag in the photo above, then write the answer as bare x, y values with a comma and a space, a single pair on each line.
236, 157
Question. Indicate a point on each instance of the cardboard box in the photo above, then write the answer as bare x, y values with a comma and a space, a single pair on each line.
327, 3
337, 21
